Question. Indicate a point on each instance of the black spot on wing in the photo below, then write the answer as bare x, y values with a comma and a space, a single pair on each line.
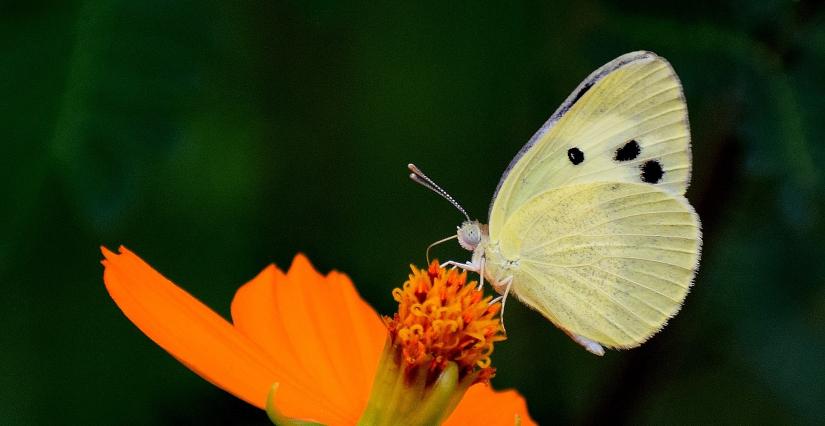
652, 171
582, 91
628, 152
575, 155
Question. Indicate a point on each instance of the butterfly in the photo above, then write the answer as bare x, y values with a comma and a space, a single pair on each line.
589, 224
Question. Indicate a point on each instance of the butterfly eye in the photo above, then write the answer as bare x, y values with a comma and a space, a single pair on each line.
469, 235
473, 235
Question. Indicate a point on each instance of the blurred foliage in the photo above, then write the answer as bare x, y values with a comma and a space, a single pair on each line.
215, 137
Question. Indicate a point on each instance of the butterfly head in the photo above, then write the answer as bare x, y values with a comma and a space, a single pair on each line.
471, 233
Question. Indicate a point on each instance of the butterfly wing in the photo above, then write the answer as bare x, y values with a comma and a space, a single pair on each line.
607, 261
627, 122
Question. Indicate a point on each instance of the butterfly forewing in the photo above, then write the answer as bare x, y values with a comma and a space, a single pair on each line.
626, 123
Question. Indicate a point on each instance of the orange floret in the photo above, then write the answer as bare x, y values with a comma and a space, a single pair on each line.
441, 318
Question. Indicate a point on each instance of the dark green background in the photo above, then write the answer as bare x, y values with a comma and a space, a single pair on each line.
214, 138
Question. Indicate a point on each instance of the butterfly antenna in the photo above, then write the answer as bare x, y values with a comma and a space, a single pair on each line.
419, 177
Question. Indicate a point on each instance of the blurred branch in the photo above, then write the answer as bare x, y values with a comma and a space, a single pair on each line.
27, 192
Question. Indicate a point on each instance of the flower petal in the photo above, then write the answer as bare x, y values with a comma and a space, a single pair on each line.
483, 405
317, 325
194, 334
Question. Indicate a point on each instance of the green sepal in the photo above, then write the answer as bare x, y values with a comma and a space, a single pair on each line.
402, 399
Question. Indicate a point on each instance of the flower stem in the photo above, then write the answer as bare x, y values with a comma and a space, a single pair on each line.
408, 398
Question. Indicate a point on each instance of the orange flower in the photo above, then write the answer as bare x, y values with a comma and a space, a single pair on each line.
309, 335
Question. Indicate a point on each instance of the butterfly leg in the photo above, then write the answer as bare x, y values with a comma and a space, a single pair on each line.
481, 275
469, 266
591, 346
506, 283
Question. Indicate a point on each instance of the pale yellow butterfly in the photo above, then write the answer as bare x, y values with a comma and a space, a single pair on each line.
589, 224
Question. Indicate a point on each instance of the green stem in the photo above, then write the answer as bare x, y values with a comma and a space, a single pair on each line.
407, 399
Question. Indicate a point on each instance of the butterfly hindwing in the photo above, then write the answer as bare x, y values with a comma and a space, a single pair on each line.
609, 261
627, 122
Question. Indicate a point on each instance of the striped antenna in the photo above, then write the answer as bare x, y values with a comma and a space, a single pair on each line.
418, 176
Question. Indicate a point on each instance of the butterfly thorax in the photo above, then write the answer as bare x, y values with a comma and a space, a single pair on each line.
497, 268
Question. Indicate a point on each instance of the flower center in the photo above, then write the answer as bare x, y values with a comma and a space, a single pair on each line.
439, 344
442, 318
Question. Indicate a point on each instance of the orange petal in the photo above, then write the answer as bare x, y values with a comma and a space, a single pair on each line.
483, 405
195, 335
317, 325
